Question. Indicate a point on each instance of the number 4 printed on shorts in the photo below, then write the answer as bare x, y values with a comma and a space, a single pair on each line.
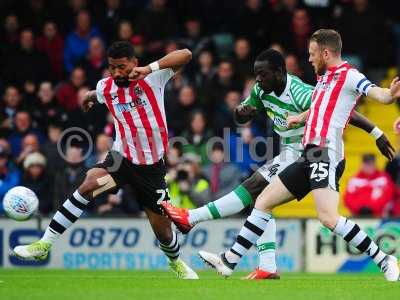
319, 171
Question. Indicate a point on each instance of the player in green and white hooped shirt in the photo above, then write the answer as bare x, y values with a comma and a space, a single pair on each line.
279, 95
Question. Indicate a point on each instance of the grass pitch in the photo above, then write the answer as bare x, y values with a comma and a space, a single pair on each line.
42, 284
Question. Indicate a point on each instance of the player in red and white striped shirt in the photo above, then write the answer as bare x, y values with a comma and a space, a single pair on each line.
322, 164
135, 97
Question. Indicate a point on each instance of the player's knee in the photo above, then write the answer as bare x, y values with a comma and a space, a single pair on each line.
255, 184
327, 219
89, 184
164, 237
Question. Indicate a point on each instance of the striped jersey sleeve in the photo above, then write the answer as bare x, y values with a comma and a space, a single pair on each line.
358, 83
99, 90
301, 93
254, 98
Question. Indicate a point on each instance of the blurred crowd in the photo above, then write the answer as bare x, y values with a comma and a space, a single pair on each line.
53, 52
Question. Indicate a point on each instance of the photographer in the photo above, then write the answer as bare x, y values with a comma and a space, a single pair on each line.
188, 188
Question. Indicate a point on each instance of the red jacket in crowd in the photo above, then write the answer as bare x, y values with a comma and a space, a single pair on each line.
369, 192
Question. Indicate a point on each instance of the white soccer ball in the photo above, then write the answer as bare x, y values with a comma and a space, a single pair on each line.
20, 203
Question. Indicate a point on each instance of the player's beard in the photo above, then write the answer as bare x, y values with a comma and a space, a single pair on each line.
321, 67
122, 82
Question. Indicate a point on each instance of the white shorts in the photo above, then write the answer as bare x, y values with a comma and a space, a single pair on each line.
276, 165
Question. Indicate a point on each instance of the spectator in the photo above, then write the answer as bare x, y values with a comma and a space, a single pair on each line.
180, 109
174, 158
193, 37
50, 149
68, 179
77, 41
282, 18
363, 32
109, 17
125, 31
11, 103
23, 127
36, 178
369, 192
9, 175
197, 136
46, 109
243, 60
244, 152
155, 24
93, 121
103, 145
224, 81
255, 23
189, 189
67, 92
95, 62
51, 43
222, 175
292, 66
27, 63
34, 14
65, 12
224, 116
9, 36
29, 144
206, 70
301, 30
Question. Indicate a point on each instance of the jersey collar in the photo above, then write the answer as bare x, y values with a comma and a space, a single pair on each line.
334, 68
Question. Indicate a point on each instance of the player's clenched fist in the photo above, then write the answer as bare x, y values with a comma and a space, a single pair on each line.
89, 100
297, 119
139, 73
244, 113
395, 88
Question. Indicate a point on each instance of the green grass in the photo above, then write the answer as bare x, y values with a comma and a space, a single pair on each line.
29, 284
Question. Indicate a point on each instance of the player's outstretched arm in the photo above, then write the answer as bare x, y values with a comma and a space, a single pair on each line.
174, 60
384, 95
382, 141
297, 119
89, 101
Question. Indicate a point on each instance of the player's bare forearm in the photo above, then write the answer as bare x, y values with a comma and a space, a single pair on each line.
358, 120
89, 101
175, 60
384, 95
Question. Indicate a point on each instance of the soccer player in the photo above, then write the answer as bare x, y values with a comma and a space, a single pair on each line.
322, 164
135, 98
278, 94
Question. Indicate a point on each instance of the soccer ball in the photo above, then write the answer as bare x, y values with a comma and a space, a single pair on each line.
20, 203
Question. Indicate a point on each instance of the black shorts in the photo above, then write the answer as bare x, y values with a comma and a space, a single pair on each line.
317, 168
148, 181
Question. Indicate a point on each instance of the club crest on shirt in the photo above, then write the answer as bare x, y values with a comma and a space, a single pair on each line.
138, 90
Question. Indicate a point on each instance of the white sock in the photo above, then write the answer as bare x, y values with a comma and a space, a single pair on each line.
65, 217
227, 205
50, 236
266, 245
251, 231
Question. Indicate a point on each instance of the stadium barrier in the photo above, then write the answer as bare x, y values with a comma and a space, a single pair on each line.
302, 245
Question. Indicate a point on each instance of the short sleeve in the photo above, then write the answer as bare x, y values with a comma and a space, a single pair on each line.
99, 91
358, 83
160, 78
301, 94
253, 99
